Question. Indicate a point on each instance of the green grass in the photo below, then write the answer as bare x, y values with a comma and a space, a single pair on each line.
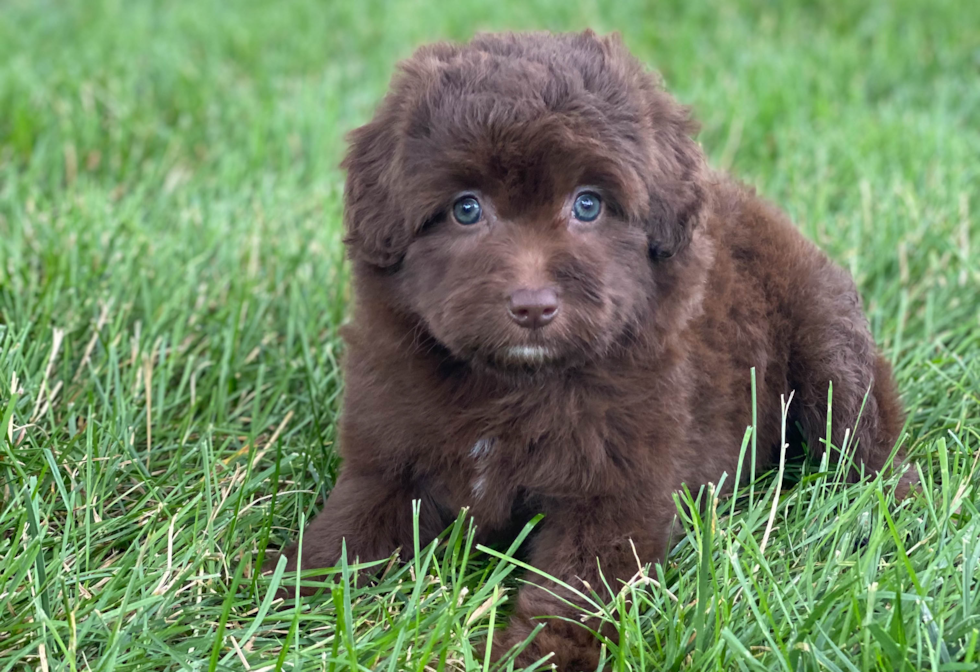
172, 279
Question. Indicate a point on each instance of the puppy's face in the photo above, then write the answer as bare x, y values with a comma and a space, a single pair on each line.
511, 286
520, 197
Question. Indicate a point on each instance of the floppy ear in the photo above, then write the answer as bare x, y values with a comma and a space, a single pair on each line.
675, 183
671, 165
377, 230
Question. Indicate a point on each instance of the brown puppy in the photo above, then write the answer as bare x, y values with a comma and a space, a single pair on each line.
557, 307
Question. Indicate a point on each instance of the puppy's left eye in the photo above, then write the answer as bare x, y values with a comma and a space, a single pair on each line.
587, 206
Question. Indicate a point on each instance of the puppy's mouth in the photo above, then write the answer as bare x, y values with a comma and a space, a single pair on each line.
529, 354
524, 357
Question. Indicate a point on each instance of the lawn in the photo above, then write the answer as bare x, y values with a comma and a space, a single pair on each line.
172, 279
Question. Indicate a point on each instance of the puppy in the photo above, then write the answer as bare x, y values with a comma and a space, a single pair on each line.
557, 309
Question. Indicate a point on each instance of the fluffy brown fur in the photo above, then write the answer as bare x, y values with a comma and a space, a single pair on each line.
637, 379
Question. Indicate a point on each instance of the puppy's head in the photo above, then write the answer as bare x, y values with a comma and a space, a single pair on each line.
524, 196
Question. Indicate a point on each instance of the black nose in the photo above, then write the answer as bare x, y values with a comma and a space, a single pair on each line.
533, 308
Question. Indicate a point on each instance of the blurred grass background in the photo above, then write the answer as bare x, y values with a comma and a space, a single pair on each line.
171, 280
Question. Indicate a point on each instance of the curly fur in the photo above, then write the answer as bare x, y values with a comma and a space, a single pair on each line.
639, 386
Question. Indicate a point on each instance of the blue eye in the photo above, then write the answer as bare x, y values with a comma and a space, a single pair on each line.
467, 211
587, 206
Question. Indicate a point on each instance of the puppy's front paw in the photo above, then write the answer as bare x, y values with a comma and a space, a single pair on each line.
570, 648
908, 484
505, 640
287, 587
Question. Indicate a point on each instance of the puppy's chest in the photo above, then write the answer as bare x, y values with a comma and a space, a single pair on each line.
549, 449
496, 469
484, 463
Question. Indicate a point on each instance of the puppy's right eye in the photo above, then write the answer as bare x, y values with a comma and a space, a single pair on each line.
467, 210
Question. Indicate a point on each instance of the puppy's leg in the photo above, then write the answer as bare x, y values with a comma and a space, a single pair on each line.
574, 545
832, 344
372, 515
